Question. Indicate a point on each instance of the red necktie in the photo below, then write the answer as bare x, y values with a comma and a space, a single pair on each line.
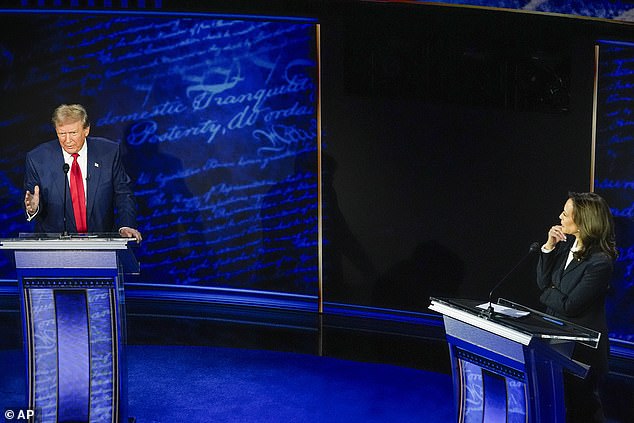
77, 195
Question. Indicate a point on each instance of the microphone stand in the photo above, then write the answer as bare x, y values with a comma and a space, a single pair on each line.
66, 167
490, 312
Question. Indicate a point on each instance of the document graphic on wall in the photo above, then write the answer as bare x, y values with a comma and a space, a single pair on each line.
614, 175
217, 121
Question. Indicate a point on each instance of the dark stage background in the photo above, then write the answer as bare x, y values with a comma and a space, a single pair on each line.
464, 132
450, 140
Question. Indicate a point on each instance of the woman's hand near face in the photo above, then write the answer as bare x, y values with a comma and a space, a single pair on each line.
555, 234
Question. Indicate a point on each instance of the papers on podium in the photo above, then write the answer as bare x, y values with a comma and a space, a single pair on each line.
506, 311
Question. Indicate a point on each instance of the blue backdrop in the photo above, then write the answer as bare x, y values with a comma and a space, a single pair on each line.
217, 118
615, 173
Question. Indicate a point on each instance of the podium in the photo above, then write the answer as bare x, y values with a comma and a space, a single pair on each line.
73, 316
508, 366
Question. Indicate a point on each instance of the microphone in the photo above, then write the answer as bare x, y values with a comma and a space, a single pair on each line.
65, 168
534, 247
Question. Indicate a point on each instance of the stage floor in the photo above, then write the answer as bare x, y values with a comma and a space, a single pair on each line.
204, 362
189, 384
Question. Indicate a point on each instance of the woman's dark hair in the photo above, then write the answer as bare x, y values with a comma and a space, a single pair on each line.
592, 216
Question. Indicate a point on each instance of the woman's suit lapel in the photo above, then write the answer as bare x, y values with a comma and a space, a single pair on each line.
573, 264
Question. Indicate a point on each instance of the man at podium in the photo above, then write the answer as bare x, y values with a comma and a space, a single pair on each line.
76, 183
573, 274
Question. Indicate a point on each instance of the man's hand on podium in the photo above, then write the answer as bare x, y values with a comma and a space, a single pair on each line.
127, 232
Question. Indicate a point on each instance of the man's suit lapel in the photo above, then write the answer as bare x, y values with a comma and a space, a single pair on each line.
93, 170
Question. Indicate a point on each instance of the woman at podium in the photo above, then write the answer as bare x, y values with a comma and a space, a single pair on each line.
573, 274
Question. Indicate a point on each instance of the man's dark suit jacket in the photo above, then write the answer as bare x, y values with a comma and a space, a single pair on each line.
108, 188
577, 293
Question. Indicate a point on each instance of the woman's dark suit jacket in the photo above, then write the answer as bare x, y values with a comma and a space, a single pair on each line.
577, 294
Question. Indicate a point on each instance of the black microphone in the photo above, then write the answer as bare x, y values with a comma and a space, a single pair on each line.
66, 167
534, 247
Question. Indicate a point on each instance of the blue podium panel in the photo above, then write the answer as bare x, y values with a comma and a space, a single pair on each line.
73, 351
516, 392
486, 395
492, 385
104, 354
508, 368
495, 398
74, 326
73, 354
